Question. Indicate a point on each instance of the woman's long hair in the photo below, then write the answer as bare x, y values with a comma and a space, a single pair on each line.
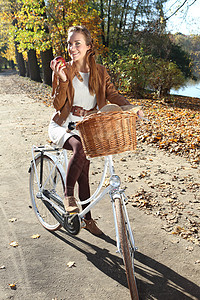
90, 58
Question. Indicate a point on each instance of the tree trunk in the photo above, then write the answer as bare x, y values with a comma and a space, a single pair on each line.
27, 69
33, 66
20, 62
123, 12
102, 23
134, 20
108, 29
46, 57
12, 64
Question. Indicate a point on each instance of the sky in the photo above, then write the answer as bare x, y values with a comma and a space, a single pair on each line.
186, 21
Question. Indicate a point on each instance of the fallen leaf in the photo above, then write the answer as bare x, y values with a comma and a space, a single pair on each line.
190, 248
106, 182
71, 264
35, 236
142, 174
123, 159
13, 220
175, 241
177, 230
167, 228
170, 200
14, 244
130, 178
2, 267
12, 286
197, 261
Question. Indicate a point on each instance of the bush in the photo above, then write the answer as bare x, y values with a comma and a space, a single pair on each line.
137, 72
130, 73
164, 76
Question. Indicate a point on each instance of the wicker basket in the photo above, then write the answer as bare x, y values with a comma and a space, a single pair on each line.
108, 133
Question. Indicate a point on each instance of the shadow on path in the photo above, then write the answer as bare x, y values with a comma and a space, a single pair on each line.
154, 280
161, 282
111, 265
8, 72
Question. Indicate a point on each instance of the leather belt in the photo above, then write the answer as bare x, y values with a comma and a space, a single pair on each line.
79, 111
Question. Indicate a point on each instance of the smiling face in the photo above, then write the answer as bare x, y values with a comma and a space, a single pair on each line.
77, 47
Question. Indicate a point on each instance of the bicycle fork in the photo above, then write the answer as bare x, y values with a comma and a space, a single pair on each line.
116, 194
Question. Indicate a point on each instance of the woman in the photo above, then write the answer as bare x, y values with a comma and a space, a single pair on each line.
78, 88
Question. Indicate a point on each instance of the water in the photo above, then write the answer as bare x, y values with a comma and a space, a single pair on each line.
191, 90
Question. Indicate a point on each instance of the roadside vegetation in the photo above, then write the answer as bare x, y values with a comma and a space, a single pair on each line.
144, 61
130, 37
174, 125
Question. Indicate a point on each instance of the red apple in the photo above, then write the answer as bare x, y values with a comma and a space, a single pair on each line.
60, 59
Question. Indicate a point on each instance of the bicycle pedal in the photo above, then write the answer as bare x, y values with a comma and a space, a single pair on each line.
83, 224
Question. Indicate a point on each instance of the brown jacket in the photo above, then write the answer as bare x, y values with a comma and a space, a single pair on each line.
63, 92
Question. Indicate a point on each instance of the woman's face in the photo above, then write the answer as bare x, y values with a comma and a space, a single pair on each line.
77, 47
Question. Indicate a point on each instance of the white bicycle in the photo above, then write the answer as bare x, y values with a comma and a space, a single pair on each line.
47, 183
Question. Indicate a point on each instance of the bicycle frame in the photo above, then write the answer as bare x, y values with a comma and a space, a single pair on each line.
44, 150
114, 192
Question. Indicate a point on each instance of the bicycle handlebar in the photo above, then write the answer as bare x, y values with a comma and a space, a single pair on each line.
144, 119
72, 125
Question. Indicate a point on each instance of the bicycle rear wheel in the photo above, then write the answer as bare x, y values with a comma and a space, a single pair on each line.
126, 249
52, 181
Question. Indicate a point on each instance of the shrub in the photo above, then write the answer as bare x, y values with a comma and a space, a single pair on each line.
164, 76
137, 72
130, 73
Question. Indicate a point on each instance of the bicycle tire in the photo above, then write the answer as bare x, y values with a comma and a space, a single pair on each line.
125, 250
55, 183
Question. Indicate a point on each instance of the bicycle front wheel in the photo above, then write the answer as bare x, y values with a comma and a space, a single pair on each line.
126, 251
53, 182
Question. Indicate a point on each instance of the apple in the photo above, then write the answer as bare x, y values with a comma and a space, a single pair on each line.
60, 59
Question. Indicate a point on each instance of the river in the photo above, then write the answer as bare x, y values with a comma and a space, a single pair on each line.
192, 89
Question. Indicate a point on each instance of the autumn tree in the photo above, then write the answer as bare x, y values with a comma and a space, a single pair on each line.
123, 27
44, 28
7, 35
4, 45
70, 13
121, 20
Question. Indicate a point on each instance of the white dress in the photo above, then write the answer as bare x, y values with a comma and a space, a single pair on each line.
82, 98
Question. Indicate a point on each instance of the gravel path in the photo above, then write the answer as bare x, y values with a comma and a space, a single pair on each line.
164, 208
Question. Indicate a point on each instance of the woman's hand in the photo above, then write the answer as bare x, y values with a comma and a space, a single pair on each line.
58, 70
140, 113
134, 108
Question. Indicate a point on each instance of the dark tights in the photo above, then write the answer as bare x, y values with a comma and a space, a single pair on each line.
78, 171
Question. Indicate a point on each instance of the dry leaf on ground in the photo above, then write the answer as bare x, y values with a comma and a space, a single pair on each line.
12, 286
14, 244
2, 267
35, 236
71, 264
13, 220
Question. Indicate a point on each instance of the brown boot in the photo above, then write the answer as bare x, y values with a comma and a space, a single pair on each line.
92, 227
70, 204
